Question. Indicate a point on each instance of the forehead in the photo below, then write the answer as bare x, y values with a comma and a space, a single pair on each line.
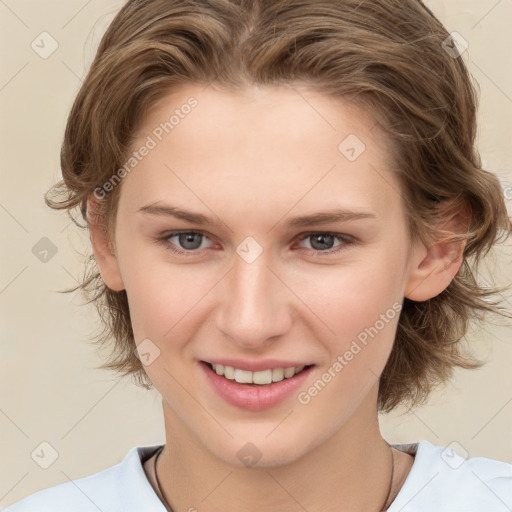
260, 150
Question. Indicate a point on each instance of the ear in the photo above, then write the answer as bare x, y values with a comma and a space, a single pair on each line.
433, 268
103, 252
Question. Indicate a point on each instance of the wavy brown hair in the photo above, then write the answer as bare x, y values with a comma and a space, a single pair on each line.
386, 56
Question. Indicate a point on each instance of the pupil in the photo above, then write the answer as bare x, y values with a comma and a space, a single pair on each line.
186, 238
322, 239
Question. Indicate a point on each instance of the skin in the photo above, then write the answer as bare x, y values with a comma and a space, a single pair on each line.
253, 160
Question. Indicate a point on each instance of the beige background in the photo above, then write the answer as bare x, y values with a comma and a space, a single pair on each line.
49, 390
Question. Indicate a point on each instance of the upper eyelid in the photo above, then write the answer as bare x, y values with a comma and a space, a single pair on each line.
169, 234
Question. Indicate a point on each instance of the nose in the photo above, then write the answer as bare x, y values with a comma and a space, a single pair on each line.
253, 306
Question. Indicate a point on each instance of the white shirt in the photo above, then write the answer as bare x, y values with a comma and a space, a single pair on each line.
439, 481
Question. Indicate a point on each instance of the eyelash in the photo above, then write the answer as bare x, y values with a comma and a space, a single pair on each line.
347, 240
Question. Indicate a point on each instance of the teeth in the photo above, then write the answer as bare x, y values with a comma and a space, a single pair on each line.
228, 372
243, 376
277, 374
289, 372
263, 377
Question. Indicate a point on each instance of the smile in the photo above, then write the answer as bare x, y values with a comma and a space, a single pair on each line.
255, 390
260, 378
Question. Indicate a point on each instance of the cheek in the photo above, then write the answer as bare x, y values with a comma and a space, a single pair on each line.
364, 323
162, 297
361, 305
349, 298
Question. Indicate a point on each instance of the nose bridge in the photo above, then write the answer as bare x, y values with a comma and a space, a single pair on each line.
253, 302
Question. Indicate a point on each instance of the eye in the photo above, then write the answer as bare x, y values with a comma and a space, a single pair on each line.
322, 242
189, 241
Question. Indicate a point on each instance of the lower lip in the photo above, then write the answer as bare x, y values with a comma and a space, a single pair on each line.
252, 397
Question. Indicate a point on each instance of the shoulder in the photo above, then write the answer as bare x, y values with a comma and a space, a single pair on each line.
122, 487
442, 480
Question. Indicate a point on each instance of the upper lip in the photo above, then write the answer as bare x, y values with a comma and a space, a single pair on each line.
256, 366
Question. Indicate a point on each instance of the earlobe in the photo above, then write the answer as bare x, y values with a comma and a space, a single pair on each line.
103, 253
433, 269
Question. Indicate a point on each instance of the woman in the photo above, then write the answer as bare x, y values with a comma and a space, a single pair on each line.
283, 199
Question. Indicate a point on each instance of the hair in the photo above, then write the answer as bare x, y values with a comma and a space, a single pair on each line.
387, 56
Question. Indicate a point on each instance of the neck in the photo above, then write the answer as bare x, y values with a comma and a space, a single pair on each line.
349, 471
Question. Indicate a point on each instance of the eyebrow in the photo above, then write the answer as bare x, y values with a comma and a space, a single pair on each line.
335, 215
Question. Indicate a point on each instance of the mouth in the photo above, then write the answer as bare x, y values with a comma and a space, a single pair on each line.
257, 378
258, 390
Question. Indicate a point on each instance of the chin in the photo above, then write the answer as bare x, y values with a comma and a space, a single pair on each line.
262, 453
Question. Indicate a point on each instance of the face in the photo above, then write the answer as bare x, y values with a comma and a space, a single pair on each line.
290, 251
